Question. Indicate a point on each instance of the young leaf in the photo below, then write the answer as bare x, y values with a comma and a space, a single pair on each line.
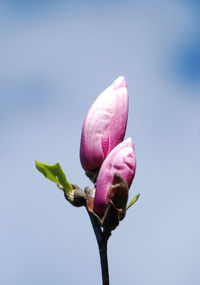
54, 173
133, 201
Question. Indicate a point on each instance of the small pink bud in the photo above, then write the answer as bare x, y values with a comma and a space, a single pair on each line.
120, 160
105, 125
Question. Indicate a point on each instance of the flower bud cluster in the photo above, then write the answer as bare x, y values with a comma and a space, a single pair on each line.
102, 150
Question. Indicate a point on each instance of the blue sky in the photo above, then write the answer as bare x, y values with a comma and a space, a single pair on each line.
55, 59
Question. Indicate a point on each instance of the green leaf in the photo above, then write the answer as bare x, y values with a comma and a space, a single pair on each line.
133, 201
54, 173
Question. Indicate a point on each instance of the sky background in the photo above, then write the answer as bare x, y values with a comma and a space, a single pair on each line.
55, 59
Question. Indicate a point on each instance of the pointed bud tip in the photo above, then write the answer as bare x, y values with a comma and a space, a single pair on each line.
129, 141
119, 83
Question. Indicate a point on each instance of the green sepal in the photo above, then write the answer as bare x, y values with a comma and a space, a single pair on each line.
133, 201
54, 173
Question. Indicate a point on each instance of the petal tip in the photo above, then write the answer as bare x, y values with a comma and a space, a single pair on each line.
129, 141
119, 82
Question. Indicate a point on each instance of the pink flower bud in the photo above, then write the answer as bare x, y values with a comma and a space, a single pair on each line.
105, 125
121, 160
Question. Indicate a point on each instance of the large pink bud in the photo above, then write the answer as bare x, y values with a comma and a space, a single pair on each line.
121, 160
105, 125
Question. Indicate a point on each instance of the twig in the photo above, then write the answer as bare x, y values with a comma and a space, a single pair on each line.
102, 237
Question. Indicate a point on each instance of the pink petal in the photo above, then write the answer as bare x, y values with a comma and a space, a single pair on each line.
105, 124
121, 160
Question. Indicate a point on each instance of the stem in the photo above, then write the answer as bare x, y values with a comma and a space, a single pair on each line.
102, 240
104, 262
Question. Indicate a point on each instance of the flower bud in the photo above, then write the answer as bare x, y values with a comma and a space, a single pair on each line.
105, 125
120, 160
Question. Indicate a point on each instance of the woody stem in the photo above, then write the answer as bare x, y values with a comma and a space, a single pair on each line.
102, 240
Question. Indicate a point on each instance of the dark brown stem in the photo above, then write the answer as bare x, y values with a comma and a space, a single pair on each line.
104, 261
102, 240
